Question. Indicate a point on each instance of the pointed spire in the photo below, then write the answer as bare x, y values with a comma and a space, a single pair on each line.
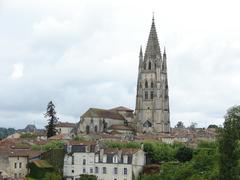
164, 63
140, 54
164, 52
153, 48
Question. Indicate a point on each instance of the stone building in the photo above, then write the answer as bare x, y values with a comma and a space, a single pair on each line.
96, 120
105, 163
152, 100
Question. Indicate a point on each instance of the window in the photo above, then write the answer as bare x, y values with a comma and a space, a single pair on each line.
20, 165
151, 94
20, 175
84, 161
144, 66
104, 158
115, 170
104, 170
15, 175
146, 84
15, 165
149, 65
96, 158
87, 129
72, 159
84, 170
125, 171
96, 170
92, 121
125, 159
91, 170
152, 84
115, 159
72, 171
146, 95
96, 129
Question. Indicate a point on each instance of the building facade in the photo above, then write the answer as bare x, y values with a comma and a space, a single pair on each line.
152, 100
96, 120
106, 164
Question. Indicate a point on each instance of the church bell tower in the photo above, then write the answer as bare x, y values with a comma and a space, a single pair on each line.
152, 100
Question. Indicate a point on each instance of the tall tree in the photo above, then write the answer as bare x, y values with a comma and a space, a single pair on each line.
52, 119
179, 125
228, 138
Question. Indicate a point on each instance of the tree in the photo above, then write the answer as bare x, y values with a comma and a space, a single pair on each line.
52, 121
193, 125
88, 177
228, 145
52, 176
179, 125
213, 126
184, 154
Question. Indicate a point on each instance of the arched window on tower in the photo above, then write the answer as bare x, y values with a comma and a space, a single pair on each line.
146, 95
152, 84
146, 84
149, 65
144, 66
151, 94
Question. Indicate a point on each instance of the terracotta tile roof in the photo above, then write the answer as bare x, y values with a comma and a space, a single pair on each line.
130, 150
82, 143
42, 164
65, 124
121, 127
102, 113
127, 151
121, 108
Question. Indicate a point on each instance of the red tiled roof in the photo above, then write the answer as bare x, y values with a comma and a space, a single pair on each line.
102, 113
65, 124
121, 108
82, 143
122, 150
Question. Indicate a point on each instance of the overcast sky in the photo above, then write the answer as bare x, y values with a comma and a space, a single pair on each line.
83, 54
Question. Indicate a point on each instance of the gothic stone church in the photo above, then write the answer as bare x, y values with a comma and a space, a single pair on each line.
152, 101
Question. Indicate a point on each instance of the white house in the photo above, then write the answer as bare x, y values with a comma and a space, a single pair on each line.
106, 164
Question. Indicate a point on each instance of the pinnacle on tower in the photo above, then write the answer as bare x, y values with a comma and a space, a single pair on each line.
140, 54
153, 48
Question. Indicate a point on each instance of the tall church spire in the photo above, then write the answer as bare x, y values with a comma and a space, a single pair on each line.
153, 48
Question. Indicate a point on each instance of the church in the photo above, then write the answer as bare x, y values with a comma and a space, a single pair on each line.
151, 113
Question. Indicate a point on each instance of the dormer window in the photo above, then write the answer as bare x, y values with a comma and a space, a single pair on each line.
96, 158
104, 158
125, 159
115, 159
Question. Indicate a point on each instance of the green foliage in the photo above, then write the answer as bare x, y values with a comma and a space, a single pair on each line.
4, 132
203, 165
213, 126
79, 138
184, 154
28, 135
159, 152
179, 125
50, 145
88, 177
228, 139
52, 121
52, 176
55, 158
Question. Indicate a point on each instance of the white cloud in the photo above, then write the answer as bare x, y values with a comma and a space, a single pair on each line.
83, 54
17, 71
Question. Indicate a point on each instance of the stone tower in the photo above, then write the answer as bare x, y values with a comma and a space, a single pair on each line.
152, 101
